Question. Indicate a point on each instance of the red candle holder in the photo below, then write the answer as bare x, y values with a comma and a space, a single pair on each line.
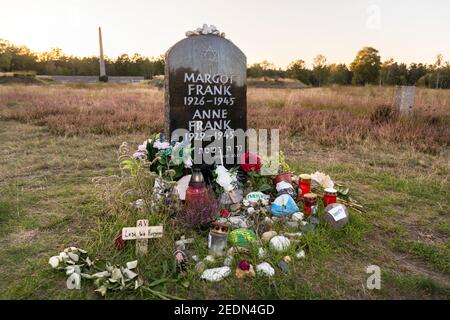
329, 196
309, 203
304, 185
197, 192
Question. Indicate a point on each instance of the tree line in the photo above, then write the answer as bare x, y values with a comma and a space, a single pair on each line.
56, 62
366, 68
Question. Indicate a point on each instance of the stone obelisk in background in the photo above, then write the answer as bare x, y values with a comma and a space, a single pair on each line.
103, 77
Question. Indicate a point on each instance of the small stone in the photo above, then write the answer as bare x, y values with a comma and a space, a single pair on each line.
200, 267
195, 258
287, 259
216, 274
255, 197
298, 216
225, 199
251, 210
266, 236
234, 250
209, 259
245, 273
181, 244
241, 237
262, 253
235, 207
228, 261
301, 254
284, 205
265, 269
292, 224
268, 221
292, 236
283, 185
238, 222
283, 266
280, 243
236, 196
335, 215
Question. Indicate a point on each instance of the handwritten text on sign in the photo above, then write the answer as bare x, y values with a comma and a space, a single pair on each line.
133, 233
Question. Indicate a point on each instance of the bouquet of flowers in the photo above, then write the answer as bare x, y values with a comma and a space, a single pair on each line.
166, 159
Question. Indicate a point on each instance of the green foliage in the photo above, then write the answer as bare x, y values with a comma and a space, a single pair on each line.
264, 69
56, 62
297, 70
366, 66
339, 74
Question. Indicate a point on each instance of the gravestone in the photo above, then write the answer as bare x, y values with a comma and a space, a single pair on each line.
404, 99
206, 94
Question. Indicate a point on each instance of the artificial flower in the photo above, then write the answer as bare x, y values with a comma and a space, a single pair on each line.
161, 145
132, 264
244, 265
129, 274
72, 269
54, 261
188, 163
139, 155
225, 179
102, 290
250, 162
224, 213
322, 179
102, 274
74, 281
142, 147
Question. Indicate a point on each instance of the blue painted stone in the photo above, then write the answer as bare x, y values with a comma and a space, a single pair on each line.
284, 205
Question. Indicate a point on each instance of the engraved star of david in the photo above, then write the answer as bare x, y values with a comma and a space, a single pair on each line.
210, 54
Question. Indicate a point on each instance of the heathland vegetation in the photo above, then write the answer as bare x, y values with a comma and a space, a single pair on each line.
60, 142
366, 68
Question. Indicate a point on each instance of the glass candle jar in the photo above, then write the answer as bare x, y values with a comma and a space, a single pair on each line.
217, 238
197, 192
304, 185
309, 203
329, 196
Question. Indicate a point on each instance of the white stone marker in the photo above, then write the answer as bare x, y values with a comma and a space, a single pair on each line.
141, 233
404, 99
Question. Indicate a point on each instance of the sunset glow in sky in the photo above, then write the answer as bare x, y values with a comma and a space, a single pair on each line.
279, 31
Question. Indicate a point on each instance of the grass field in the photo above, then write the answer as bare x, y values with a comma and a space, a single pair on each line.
55, 139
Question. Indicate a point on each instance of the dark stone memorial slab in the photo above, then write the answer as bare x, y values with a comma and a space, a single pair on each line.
206, 94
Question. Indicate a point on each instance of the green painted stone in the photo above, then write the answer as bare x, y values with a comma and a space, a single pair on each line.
241, 237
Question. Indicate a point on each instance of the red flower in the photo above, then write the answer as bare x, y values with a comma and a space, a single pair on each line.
244, 265
224, 213
119, 242
250, 162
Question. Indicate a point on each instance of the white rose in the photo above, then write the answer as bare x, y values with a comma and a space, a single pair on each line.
74, 281
54, 261
224, 178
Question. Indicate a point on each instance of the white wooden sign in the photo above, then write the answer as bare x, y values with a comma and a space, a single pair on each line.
141, 233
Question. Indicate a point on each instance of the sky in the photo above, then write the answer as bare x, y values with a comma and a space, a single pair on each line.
279, 31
